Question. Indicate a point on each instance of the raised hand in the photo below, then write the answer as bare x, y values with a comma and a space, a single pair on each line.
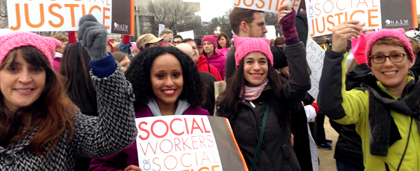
93, 36
342, 32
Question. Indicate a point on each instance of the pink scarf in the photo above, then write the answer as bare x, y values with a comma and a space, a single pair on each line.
252, 93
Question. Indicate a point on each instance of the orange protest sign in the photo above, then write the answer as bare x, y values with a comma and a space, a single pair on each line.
266, 5
46, 15
323, 15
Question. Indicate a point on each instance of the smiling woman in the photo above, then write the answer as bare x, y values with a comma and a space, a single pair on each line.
384, 109
41, 129
165, 82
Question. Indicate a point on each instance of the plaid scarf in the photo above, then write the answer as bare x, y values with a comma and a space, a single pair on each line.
252, 93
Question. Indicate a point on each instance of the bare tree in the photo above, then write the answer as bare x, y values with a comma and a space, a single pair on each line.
174, 14
3, 14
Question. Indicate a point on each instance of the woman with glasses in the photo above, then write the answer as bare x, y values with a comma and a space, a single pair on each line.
385, 108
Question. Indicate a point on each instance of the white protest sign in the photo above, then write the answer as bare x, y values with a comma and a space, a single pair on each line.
187, 34
315, 57
161, 27
323, 15
182, 142
266, 5
60, 15
271, 32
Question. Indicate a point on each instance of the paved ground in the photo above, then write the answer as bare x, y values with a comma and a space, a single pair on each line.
326, 157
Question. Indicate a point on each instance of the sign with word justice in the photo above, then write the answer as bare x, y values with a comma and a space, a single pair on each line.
187, 143
323, 15
266, 5
64, 15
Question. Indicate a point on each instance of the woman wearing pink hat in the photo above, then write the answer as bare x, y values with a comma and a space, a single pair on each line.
259, 100
385, 108
214, 58
41, 129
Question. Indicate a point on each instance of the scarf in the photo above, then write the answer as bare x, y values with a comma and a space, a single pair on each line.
252, 93
382, 128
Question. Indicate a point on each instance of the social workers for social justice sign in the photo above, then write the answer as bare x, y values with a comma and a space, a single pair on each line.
323, 15
187, 143
64, 15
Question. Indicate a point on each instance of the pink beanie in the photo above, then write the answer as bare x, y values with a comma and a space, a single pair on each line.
46, 45
358, 48
211, 38
133, 47
372, 37
246, 45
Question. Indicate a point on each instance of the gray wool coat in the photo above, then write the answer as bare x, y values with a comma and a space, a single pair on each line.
111, 131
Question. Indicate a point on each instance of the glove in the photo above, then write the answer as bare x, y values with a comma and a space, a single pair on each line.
93, 36
288, 28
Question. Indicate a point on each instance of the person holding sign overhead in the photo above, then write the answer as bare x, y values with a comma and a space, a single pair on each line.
385, 108
258, 103
165, 82
41, 129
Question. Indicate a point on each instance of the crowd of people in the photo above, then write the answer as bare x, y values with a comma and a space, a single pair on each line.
70, 103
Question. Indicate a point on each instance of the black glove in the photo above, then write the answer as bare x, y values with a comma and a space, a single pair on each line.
93, 36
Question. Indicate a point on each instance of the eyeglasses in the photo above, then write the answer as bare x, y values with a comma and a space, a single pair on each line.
394, 57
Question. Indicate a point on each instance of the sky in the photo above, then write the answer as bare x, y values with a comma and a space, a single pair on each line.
212, 8
215, 8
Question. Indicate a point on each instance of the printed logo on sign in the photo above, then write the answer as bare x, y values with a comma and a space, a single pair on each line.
402, 22
120, 27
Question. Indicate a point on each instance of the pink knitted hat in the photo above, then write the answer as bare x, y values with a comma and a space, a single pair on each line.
246, 45
133, 47
372, 37
46, 45
358, 48
211, 38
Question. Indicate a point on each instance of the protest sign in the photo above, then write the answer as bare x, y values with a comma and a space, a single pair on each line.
271, 32
161, 27
315, 57
323, 15
266, 5
187, 34
64, 15
187, 143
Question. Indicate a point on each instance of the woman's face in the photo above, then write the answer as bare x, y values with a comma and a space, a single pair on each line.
392, 75
167, 79
21, 83
255, 68
208, 47
125, 63
222, 42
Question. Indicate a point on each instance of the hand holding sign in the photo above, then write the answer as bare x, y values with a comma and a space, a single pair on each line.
132, 168
283, 11
342, 32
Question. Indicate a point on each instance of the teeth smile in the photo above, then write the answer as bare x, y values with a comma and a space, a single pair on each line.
168, 91
25, 90
390, 73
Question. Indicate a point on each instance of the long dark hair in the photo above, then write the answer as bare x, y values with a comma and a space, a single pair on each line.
50, 116
139, 75
228, 44
229, 99
74, 66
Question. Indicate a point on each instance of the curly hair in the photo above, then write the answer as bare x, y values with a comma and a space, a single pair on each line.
139, 75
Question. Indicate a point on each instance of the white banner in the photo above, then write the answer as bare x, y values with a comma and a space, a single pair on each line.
179, 142
315, 57
58, 15
323, 15
266, 5
187, 34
